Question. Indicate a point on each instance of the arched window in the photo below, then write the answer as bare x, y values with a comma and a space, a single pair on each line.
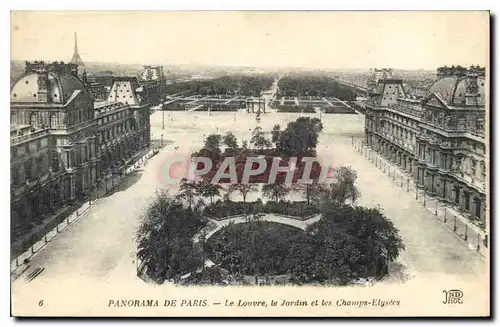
34, 119
13, 118
54, 120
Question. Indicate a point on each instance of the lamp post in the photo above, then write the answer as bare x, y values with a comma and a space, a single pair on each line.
425, 193
162, 116
436, 212
161, 141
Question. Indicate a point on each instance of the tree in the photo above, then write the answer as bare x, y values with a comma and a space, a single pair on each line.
276, 132
164, 239
243, 189
309, 191
212, 142
372, 240
300, 136
230, 140
344, 188
188, 192
227, 193
259, 139
207, 189
275, 191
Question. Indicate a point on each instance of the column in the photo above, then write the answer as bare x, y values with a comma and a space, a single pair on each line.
51, 198
72, 186
64, 191
444, 191
471, 204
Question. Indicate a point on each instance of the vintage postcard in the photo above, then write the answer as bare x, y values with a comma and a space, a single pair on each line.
286, 164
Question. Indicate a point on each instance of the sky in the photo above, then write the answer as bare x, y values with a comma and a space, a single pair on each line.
335, 40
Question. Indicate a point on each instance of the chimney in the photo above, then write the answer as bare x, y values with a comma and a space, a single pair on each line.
43, 94
472, 89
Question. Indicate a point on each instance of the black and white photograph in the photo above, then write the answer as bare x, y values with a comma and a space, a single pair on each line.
250, 163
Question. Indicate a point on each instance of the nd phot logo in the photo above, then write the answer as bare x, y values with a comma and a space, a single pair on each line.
453, 297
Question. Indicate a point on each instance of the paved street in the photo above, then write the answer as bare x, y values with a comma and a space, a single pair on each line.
101, 245
430, 246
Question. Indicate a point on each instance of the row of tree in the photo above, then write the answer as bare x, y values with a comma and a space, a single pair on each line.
321, 86
340, 192
299, 137
344, 189
225, 85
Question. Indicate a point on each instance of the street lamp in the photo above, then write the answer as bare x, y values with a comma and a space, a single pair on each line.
436, 212
162, 116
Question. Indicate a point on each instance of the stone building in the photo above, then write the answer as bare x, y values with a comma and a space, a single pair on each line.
140, 99
152, 80
55, 161
62, 144
440, 139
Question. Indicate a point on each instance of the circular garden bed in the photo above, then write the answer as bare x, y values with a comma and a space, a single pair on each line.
254, 248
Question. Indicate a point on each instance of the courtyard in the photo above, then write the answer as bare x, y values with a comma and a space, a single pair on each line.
101, 245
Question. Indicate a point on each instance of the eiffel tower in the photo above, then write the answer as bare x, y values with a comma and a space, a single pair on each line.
76, 59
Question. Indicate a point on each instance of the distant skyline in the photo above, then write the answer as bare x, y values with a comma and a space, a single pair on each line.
330, 40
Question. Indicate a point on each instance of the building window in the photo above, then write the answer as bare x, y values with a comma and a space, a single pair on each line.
473, 167
467, 200
55, 161
27, 170
54, 120
13, 118
34, 119
477, 207
14, 176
